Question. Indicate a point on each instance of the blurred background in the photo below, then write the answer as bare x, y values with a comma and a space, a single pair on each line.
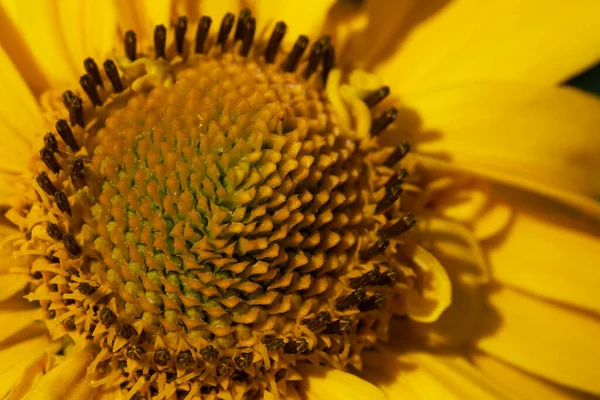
589, 80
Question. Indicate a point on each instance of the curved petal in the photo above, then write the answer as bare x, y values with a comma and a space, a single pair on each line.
524, 133
428, 376
546, 339
470, 40
548, 251
15, 314
322, 383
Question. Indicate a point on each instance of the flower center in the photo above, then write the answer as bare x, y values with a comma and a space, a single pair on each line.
208, 221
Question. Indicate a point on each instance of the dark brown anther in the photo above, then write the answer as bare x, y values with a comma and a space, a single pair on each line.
113, 75
124, 330
344, 303
86, 288
328, 61
71, 272
107, 317
225, 367
365, 280
275, 41
250, 28
66, 134
403, 225
372, 302
208, 353
71, 245
48, 158
379, 124
92, 70
240, 27
398, 154
378, 248
77, 172
37, 275
377, 96
162, 356
51, 314
69, 323
202, 33
51, 259
341, 325
226, 26
185, 359
76, 112
62, 202
291, 62
272, 343
67, 97
160, 40
397, 178
391, 195
135, 353
45, 183
54, 231
386, 278
50, 142
244, 360
89, 87
180, 29
314, 58
319, 321
297, 346
130, 45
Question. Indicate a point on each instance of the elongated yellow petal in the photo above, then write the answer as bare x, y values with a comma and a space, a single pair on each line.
471, 40
11, 285
428, 376
522, 132
549, 251
15, 382
29, 343
522, 384
546, 339
15, 314
142, 16
322, 383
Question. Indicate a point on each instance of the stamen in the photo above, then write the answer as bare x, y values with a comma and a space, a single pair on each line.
48, 158
387, 278
130, 45
377, 96
226, 26
77, 173
62, 202
314, 58
397, 178
86, 288
398, 154
69, 323
244, 360
239, 29
365, 280
54, 231
342, 325
135, 353
160, 40
378, 248
88, 86
372, 302
351, 300
107, 317
113, 75
202, 33
123, 330
45, 183
185, 359
50, 142
67, 97
403, 225
92, 70
209, 353
297, 346
316, 323
180, 29
76, 112
383, 121
276, 37
225, 368
162, 356
272, 343
71, 245
250, 28
291, 62
328, 61
66, 134
390, 198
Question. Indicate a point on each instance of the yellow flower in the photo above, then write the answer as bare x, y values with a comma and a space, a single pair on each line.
493, 293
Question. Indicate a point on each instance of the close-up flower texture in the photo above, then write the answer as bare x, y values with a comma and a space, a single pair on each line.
323, 199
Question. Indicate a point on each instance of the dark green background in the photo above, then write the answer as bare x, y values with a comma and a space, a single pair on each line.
589, 80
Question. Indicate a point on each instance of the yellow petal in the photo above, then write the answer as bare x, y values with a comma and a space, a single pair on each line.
524, 133
29, 343
428, 376
142, 16
522, 384
322, 383
65, 381
548, 250
15, 382
11, 285
15, 314
471, 40
546, 339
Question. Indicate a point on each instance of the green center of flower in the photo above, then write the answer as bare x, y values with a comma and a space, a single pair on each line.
217, 223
